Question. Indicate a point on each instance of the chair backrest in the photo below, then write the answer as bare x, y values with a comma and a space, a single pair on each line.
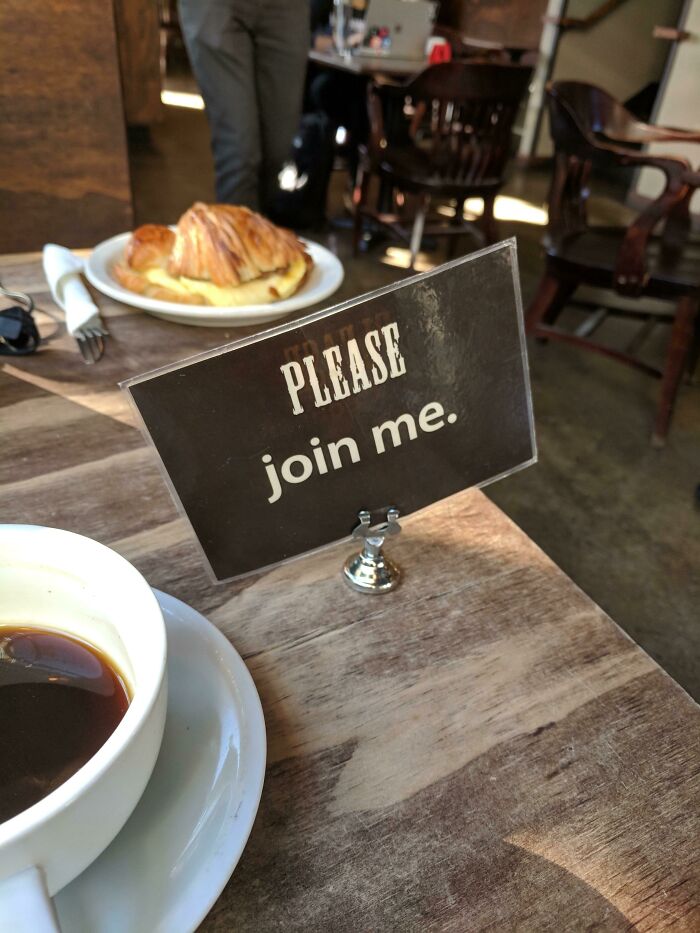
594, 109
579, 113
580, 117
462, 113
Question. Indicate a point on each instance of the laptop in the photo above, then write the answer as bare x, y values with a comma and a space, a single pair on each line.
397, 29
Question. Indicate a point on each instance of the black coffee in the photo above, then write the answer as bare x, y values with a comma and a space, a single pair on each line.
60, 700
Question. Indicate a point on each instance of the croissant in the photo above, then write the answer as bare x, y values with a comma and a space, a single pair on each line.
219, 254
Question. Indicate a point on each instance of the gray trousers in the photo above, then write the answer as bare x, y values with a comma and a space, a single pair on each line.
249, 59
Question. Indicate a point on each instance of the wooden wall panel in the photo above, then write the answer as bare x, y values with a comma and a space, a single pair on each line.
138, 38
64, 172
512, 23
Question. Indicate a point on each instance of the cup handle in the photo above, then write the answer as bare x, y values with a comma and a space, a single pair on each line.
25, 905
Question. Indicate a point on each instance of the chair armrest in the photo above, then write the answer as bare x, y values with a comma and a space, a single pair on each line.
670, 134
639, 133
671, 207
673, 167
678, 224
631, 266
669, 164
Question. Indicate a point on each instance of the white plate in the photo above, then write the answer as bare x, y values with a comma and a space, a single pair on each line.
175, 854
325, 278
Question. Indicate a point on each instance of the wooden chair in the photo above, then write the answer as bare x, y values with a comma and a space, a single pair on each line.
444, 134
592, 130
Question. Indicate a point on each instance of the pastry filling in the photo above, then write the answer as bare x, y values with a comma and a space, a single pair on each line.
263, 290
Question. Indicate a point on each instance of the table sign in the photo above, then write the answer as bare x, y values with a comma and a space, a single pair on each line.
273, 444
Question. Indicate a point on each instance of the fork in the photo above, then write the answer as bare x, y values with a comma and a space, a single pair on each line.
90, 340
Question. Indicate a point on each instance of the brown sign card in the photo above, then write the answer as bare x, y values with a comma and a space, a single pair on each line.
273, 444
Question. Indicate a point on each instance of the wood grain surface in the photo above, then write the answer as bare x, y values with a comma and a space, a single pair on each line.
482, 749
510, 23
64, 172
138, 40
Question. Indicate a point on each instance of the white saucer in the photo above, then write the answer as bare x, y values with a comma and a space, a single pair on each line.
175, 854
325, 278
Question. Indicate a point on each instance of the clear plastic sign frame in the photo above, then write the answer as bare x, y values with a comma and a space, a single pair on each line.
272, 445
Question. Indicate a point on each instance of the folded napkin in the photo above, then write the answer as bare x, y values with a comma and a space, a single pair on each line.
62, 269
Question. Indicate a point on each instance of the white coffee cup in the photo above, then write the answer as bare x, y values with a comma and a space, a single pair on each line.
60, 580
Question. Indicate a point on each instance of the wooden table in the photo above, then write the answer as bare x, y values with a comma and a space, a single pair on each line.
366, 64
482, 749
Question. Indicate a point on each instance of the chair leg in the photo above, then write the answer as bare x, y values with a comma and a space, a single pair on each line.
359, 197
487, 221
551, 296
454, 239
676, 355
418, 225
694, 353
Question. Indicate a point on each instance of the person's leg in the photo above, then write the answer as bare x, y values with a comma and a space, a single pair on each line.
220, 45
281, 51
322, 96
343, 99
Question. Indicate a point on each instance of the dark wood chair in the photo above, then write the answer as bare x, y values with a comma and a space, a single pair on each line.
446, 134
653, 256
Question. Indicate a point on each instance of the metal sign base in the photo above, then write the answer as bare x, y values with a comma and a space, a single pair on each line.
371, 571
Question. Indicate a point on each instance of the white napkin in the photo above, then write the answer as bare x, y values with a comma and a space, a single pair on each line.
62, 269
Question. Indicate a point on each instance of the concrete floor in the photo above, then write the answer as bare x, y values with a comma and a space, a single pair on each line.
615, 514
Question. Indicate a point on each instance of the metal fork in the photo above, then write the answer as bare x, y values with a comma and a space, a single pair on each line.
90, 340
